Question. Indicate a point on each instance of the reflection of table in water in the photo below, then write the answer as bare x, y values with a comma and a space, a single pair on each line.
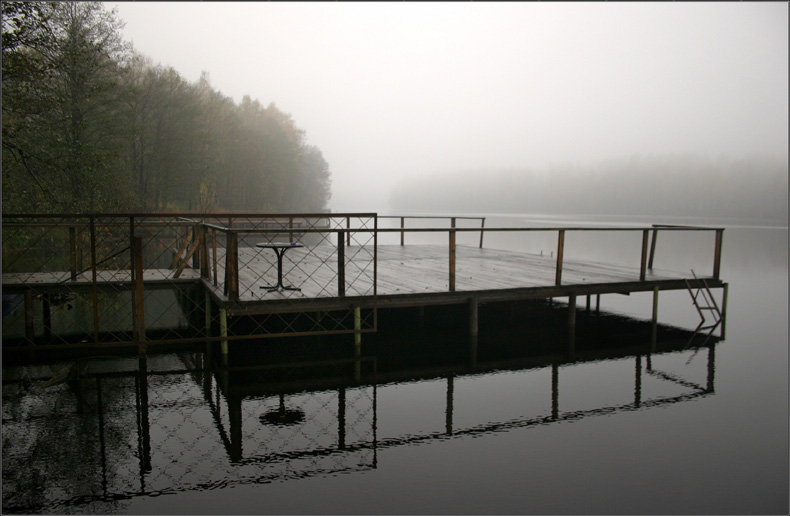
279, 250
282, 415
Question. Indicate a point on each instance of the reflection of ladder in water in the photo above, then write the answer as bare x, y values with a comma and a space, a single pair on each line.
703, 303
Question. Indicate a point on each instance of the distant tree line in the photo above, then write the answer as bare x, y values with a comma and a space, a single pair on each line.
689, 185
91, 125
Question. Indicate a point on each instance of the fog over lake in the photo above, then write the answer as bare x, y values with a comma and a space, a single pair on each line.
397, 92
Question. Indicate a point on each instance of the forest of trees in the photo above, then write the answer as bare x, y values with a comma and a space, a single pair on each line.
90, 125
751, 188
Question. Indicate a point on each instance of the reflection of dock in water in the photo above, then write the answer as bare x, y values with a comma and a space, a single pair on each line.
186, 425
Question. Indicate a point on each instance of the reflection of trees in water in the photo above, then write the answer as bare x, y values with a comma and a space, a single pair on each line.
51, 442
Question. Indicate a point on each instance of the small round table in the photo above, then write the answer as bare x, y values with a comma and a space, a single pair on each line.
279, 250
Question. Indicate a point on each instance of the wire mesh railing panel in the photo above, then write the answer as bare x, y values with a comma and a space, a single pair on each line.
274, 264
107, 279
46, 279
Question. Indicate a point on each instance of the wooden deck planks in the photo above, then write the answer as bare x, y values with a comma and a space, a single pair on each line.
401, 270
420, 269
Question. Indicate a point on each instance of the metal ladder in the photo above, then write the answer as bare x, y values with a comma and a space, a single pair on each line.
706, 304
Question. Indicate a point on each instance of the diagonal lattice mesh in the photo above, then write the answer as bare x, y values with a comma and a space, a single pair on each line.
73, 280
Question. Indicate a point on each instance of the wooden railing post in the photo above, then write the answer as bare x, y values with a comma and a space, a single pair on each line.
214, 253
452, 255
643, 263
717, 253
402, 233
348, 234
482, 230
560, 249
203, 243
196, 243
652, 249
341, 265
232, 267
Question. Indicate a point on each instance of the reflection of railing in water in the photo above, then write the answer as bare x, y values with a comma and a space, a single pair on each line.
193, 429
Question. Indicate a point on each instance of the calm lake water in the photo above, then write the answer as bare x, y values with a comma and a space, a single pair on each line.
615, 428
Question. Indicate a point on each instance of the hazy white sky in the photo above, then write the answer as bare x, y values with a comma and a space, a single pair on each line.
388, 90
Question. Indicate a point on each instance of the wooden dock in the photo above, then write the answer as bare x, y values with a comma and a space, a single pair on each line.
339, 267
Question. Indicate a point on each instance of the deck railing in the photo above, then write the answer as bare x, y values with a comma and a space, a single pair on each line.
647, 254
452, 220
122, 273
78, 280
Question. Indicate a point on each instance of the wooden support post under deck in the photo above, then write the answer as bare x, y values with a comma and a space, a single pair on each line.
572, 310
223, 331
654, 333
357, 342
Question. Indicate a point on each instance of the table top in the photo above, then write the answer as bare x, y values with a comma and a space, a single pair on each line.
274, 245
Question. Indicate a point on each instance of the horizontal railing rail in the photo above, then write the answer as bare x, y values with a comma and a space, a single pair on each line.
647, 250
452, 220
